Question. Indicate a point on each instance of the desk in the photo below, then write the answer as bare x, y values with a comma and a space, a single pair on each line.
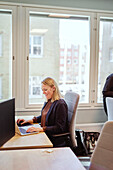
40, 159
39, 140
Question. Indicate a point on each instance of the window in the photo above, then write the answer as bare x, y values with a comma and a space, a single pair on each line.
69, 53
61, 61
36, 46
5, 54
35, 88
62, 44
61, 53
76, 61
76, 53
105, 66
62, 37
68, 61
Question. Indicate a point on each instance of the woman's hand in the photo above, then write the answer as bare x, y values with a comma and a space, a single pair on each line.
34, 129
22, 121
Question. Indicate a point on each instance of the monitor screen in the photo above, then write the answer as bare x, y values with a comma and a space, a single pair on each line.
7, 120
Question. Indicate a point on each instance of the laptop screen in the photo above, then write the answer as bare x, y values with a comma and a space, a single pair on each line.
7, 120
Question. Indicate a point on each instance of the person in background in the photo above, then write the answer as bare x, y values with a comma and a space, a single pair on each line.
54, 114
107, 90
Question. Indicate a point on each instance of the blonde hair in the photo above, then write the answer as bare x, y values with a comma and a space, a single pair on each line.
51, 82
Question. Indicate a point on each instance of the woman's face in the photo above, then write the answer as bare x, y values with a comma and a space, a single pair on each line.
48, 91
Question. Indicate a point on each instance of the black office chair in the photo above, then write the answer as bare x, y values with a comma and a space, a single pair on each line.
72, 100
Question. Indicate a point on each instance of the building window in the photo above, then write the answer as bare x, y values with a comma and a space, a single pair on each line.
75, 61
68, 61
61, 61
61, 53
69, 53
36, 46
35, 87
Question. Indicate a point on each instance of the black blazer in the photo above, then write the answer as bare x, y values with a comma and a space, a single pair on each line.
56, 118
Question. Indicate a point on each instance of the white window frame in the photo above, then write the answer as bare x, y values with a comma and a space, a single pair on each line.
71, 12
99, 15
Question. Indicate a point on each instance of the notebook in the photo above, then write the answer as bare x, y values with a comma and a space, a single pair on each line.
22, 129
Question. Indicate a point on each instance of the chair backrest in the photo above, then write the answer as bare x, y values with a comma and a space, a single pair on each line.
109, 104
72, 100
102, 157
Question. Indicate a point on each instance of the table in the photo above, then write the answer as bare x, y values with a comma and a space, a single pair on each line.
39, 140
40, 159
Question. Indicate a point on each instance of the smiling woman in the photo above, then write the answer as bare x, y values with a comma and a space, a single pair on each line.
54, 114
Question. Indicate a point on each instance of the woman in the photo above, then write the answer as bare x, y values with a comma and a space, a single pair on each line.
54, 114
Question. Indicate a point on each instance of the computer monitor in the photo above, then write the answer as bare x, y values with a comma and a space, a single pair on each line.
7, 120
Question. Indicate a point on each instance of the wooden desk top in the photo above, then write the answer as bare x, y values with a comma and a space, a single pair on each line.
39, 140
40, 159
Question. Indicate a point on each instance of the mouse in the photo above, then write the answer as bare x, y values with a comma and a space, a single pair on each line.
25, 124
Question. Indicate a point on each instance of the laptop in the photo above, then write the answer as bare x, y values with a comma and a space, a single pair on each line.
21, 130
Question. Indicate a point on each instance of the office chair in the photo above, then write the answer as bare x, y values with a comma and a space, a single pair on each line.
109, 104
102, 157
72, 100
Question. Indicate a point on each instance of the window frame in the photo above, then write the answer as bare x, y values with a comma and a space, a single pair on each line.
59, 11
13, 10
99, 15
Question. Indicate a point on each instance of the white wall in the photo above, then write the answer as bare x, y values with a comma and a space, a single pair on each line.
87, 4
